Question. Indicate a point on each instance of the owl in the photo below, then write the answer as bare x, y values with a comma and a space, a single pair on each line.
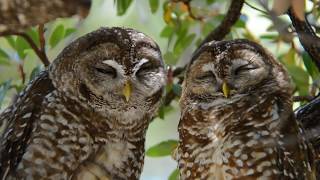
236, 117
17, 15
86, 116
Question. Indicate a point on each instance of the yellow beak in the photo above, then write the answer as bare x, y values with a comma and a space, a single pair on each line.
127, 90
225, 90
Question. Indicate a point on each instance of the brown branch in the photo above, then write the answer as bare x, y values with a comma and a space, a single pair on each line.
198, 18
307, 37
22, 73
229, 20
40, 53
42, 41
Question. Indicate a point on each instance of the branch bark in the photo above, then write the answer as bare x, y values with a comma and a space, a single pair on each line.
307, 37
229, 20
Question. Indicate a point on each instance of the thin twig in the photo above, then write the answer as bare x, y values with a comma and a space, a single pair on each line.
42, 55
302, 98
42, 41
22, 73
199, 18
255, 8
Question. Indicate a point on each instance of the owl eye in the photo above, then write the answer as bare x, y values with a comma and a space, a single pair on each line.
147, 67
107, 70
244, 68
206, 76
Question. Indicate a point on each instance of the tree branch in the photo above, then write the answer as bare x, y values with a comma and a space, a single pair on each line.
229, 20
40, 52
307, 37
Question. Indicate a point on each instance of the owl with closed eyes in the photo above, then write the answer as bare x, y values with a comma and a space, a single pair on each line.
236, 117
86, 116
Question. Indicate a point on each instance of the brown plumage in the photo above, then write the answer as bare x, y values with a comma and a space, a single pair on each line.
86, 116
236, 117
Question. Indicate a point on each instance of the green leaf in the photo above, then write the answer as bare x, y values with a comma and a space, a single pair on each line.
122, 6
12, 41
69, 31
3, 54
183, 43
21, 46
34, 35
310, 66
300, 78
35, 72
154, 5
4, 87
164, 148
161, 112
174, 175
170, 58
4, 61
269, 36
166, 32
240, 23
210, 1
57, 35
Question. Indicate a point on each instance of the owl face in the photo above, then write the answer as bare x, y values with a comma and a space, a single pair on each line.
228, 69
120, 69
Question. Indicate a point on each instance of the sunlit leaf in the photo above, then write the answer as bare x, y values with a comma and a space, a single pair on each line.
21, 46
269, 36
69, 31
170, 58
183, 43
300, 78
166, 32
122, 6
154, 5
4, 87
310, 65
34, 35
57, 35
12, 41
164, 148
174, 175
290, 57
3, 54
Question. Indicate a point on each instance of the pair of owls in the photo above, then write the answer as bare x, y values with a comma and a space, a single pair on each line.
86, 116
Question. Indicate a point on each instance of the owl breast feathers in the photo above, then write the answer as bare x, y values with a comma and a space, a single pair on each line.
86, 116
236, 117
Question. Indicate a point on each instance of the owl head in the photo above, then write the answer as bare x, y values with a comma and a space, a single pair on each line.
115, 70
226, 70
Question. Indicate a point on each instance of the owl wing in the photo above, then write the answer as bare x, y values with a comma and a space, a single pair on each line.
309, 116
17, 122
296, 154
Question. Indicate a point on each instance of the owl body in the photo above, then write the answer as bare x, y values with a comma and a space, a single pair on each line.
237, 120
85, 124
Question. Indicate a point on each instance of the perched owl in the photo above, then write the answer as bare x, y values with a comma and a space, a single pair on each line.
236, 117
17, 15
86, 116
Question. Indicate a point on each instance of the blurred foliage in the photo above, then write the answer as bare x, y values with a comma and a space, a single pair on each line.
186, 25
